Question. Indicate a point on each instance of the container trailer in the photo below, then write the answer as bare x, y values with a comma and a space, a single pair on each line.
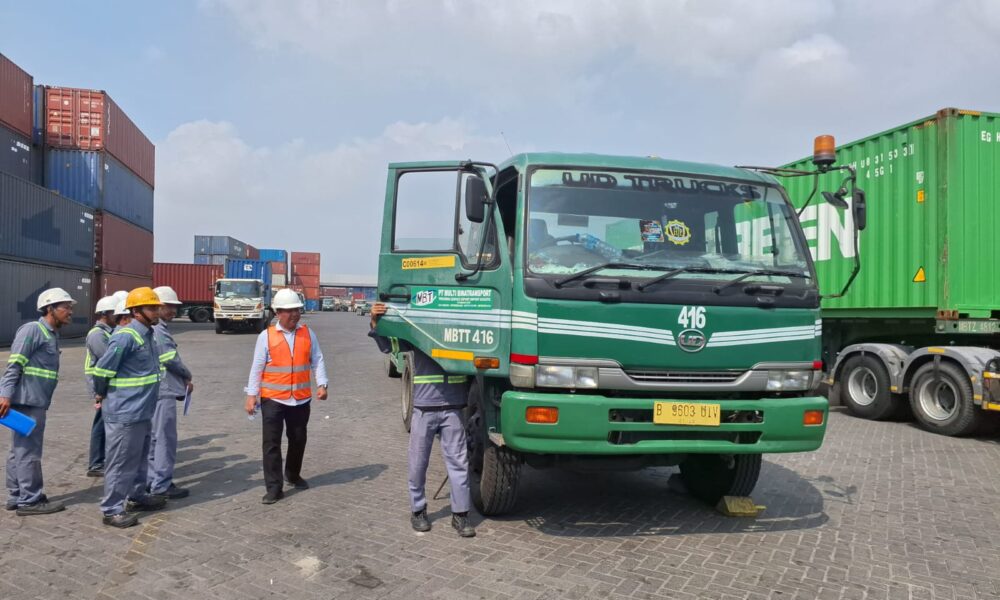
919, 331
195, 287
243, 297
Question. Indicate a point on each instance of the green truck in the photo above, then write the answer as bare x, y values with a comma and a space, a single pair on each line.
614, 312
918, 331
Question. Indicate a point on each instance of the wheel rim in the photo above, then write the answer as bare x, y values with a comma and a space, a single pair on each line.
862, 385
938, 399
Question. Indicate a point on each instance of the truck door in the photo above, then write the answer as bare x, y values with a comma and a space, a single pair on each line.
430, 249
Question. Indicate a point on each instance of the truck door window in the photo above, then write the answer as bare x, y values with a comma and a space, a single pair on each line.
425, 212
470, 235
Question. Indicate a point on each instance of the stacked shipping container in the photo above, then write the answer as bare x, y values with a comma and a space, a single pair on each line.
215, 249
279, 266
98, 167
305, 273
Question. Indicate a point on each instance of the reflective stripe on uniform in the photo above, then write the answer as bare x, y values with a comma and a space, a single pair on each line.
395, 345
457, 379
135, 335
135, 381
44, 329
103, 372
18, 358
168, 356
427, 379
295, 369
284, 388
39, 372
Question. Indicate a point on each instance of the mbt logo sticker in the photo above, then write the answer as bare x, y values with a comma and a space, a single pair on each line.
424, 298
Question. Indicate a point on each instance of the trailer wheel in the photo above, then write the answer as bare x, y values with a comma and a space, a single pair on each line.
199, 314
406, 400
864, 389
494, 470
941, 399
220, 325
709, 477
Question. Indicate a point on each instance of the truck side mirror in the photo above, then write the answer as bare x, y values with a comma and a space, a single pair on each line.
859, 205
475, 198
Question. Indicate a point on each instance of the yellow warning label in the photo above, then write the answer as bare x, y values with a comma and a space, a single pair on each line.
429, 262
920, 277
920, 196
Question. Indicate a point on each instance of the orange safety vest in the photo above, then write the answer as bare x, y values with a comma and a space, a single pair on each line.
287, 376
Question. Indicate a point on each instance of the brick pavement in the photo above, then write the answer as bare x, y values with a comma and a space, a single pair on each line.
884, 510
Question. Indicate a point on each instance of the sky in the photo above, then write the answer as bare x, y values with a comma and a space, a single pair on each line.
274, 120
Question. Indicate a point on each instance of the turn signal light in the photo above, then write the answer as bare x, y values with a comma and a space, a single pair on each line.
812, 417
486, 362
542, 414
824, 151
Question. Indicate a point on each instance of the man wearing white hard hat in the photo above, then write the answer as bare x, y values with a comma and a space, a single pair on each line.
122, 316
27, 385
97, 345
175, 385
284, 356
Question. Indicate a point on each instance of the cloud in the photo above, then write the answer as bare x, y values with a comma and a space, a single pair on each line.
811, 73
213, 182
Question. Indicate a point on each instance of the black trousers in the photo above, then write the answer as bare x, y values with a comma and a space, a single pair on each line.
275, 417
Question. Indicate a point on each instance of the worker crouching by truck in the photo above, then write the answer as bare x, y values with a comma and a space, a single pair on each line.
438, 402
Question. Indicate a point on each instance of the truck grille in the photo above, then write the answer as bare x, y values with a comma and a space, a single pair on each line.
685, 376
627, 438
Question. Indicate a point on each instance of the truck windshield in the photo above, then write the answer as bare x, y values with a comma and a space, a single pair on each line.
237, 289
704, 227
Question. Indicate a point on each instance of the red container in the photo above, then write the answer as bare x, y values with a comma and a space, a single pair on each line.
16, 97
193, 283
312, 293
279, 268
305, 258
305, 269
109, 283
332, 292
122, 247
253, 253
306, 281
90, 120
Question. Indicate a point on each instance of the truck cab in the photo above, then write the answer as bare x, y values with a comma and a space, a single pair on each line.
241, 304
614, 312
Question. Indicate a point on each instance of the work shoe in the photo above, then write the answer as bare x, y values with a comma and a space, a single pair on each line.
11, 505
95, 472
147, 504
173, 493
419, 522
42, 507
121, 520
298, 483
270, 498
463, 526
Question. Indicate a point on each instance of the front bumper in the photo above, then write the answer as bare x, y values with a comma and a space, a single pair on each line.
599, 425
238, 316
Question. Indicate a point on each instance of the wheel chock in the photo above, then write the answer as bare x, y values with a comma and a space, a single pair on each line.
739, 506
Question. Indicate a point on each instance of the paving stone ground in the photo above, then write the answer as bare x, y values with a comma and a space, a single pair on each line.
882, 511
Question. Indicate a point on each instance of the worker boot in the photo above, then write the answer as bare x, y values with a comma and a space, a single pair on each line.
147, 504
121, 520
42, 507
419, 521
462, 525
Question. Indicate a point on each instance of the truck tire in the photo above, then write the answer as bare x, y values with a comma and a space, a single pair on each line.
494, 471
709, 477
390, 368
260, 325
406, 399
220, 325
941, 400
864, 389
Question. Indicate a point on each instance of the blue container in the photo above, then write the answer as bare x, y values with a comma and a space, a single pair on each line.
312, 305
19, 422
98, 180
39, 225
202, 259
244, 268
15, 153
22, 282
272, 255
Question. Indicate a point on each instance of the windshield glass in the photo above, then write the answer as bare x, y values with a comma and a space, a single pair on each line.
237, 289
579, 219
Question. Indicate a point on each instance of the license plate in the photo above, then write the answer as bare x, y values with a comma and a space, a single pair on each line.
237, 318
686, 413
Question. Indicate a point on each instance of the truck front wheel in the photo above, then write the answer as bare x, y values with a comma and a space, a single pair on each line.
941, 399
709, 477
406, 400
494, 470
220, 325
864, 389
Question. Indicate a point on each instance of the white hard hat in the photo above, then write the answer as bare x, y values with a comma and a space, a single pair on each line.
167, 295
120, 295
120, 309
286, 298
105, 304
53, 296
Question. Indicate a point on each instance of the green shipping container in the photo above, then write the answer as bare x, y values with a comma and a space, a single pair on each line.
932, 243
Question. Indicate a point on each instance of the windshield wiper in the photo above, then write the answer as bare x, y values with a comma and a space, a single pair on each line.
670, 274
611, 265
746, 274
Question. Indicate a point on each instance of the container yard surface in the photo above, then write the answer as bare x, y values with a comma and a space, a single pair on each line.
860, 518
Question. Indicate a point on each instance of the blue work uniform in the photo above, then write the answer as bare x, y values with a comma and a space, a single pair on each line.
438, 402
29, 381
163, 443
128, 376
97, 344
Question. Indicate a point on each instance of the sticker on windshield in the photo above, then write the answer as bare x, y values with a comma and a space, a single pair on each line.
651, 231
678, 232
453, 298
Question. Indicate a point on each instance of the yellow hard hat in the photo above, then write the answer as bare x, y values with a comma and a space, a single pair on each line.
143, 296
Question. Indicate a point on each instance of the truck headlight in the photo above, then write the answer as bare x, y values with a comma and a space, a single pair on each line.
566, 377
522, 376
781, 381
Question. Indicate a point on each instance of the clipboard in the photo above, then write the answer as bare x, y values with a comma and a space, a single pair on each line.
187, 402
